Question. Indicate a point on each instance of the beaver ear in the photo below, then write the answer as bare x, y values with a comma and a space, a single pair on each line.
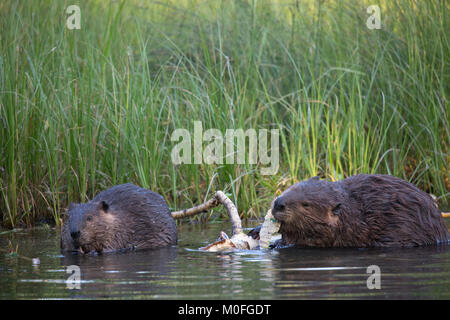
337, 209
72, 206
103, 206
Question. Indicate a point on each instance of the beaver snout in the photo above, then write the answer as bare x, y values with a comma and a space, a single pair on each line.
75, 235
75, 238
278, 205
278, 208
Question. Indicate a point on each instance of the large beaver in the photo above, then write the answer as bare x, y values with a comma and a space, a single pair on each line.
122, 217
359, 211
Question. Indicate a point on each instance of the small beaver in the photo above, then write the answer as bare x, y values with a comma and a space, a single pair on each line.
122, 217
359, 211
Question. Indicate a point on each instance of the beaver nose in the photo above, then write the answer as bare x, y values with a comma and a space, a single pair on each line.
278, 205
75, 235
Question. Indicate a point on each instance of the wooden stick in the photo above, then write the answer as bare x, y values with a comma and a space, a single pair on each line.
446, 214
219, 198
211, 203
232, 212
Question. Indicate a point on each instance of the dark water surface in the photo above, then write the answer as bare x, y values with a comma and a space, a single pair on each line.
183, 272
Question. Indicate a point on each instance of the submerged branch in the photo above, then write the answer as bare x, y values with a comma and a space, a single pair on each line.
34, 261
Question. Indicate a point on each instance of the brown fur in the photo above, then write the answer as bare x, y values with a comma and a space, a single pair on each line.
360, 211
122, 217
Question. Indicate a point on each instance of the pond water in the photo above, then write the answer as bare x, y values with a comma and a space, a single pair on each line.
183, 272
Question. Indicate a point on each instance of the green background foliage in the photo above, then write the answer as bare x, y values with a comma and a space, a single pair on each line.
82, 110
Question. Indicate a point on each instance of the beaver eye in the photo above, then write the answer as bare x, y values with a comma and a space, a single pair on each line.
305, 204
89, 218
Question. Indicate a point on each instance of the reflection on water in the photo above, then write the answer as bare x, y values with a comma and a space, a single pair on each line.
183, 272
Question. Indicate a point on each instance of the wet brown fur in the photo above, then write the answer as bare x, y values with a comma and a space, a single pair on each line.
360, 211
122, 217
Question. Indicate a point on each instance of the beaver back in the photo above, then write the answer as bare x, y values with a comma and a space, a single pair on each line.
396, 212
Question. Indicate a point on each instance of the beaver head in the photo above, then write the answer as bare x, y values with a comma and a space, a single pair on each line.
91, 225
310, 213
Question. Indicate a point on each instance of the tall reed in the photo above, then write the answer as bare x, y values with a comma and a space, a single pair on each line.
82, 110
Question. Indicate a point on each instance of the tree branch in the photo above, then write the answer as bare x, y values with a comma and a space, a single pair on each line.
219, 198
211, 203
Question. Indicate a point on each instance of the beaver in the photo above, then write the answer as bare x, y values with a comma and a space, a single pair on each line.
359, 211
120, 218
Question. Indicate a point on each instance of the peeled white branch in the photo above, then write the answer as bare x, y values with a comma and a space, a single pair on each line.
219, 198
236, 225
238, 240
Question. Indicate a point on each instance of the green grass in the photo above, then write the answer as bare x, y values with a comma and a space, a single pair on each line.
82, 110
